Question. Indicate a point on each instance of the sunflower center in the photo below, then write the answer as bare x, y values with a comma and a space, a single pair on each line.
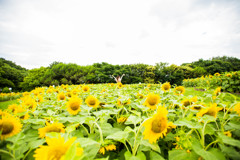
54, 129
166, 87
75, 106
159, 124
187, 103
6, 127
85, 89
197, 107
92, 102
61, 97
152, 101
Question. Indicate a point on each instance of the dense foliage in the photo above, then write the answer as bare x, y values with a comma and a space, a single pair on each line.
11, 74
114, 121
59, 73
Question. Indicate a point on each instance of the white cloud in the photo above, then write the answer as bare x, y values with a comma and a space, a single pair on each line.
36, 33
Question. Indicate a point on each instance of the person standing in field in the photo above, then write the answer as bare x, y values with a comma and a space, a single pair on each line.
118, 79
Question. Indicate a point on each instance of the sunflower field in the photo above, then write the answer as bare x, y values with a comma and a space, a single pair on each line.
116, 121
229, 81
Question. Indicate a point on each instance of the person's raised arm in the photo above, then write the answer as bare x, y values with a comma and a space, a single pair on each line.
114, 78
122, 76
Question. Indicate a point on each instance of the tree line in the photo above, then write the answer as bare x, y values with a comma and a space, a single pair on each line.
57, 73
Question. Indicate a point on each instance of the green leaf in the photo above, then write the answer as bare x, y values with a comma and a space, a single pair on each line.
229, 140
133, 120
189, 124
153, 146
182, 155
90, 147
200, 151
217, 153
35, 144
71, 127
107, 129
230, 151
139, 156
118, 136
154, 156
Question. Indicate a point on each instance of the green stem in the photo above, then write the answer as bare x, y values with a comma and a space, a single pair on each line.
135, 146
85, 129
27, 153
3, 151
100, 131
211, 144
126, 146
203, 138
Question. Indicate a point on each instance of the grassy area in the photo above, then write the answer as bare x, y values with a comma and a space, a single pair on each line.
4, 105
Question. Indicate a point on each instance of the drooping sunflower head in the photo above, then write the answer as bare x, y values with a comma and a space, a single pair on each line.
179, 90
9, 126
166, 86
56, 149
152, 100
156, 127
54, 127
211, 111
73, 105
85, 88
61, 96
92, 101
186, 102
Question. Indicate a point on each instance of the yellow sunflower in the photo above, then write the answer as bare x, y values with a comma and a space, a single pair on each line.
157, 126
56, 149
110, 147
9, 126
13, 107
121, 119
228, 133
229, 75
217, 74
102, 150
92, 101
166, 86
217, 91
140, 96
186, 102
85, 88
61, 96
54, 127
179, 90
237, 108
73, 105
152, 100
120, 85
211, 111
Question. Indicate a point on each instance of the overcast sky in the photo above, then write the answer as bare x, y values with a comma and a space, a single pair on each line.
35, 33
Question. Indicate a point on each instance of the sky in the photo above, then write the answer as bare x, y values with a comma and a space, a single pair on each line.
35, 33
